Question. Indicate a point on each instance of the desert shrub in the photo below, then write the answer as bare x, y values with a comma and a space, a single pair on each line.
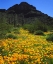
11, 36
4, 29
38, 32
30, 27
51, 30
38, 25
16, 30
50, 37
42, 28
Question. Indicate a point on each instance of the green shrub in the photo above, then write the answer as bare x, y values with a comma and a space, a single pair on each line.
41, 27
36, 26
29, 27
16, 30
11, 36
39, 32
50, 37
4, 29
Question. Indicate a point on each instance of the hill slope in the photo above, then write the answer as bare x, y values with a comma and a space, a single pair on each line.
24, 13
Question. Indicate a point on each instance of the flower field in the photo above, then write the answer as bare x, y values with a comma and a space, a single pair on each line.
26, 49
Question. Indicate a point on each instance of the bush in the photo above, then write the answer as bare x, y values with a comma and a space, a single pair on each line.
35, 27
4, 29
41, 27
29, 27
39, 32
11, 36
50, 37
16, 30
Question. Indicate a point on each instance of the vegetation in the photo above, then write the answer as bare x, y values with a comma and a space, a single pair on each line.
50, 37
39, 32
29, 27
5, 27
11, 36
21, 40
36, 27
16, 30
32, 49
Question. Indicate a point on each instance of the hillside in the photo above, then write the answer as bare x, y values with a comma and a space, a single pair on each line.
24, 13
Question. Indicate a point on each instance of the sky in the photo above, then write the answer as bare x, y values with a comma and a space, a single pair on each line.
45, 6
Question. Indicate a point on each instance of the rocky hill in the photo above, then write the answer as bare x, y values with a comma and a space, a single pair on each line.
24, 13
